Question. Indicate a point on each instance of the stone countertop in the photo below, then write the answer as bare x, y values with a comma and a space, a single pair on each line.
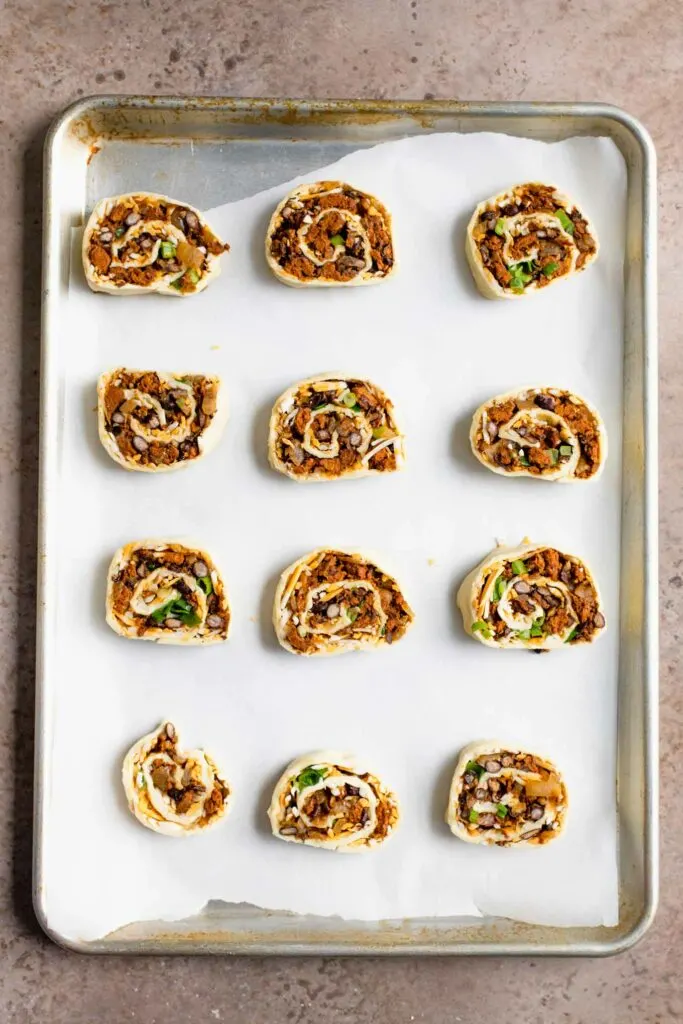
626, 53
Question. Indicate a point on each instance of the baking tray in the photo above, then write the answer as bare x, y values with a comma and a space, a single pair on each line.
108, 144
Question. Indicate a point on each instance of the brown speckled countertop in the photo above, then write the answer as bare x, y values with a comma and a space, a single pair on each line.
627, 52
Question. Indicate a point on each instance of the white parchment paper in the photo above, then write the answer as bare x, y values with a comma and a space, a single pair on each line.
438, 349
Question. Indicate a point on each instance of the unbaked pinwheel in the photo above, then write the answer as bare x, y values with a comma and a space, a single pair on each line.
165, 591
153, 421
330, 602
170, 790
546, 433
505, 796
524, 239
532, 597
143, 242
328, 234
324, 799
331, 426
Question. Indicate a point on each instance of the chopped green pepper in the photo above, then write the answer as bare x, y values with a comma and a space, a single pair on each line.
192, 275
554, 455
550, 268
500, 226
519, 567
483, 628
337, 240
476, 768
566, 450
474, 816
167, 250
501, 811
565, 220
206, 584
309, 776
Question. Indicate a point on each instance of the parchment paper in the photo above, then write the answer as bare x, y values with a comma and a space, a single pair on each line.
438, 349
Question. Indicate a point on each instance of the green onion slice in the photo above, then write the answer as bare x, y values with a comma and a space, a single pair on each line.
524, 634
565, 220
352, 614
536, 630
309, 776
572, 635
501, 811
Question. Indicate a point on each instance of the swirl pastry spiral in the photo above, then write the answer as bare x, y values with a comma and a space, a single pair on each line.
532, 597
143, 242
525, 239
330, 602
329, 234
332, 426
153, 421
165, 591
545, 433
324, 799
504, 796
170, 790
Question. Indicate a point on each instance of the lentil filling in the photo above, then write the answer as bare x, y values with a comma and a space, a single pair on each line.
335, 427
369, 604
347, 232
178, 612
508, 797
537, 252
166, 430
540, 444
544, 594
337, 811
187, 259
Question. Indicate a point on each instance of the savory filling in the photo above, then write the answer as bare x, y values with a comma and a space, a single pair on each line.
509, 796
184, 789
157, 420
546, 594
338, 598
335, 233
169, 590
142, 240
335, 427
540, 431
527, 237
330, 803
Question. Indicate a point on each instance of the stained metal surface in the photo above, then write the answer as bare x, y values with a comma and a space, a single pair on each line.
106, 145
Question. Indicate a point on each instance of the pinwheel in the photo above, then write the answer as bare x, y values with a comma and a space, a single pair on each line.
142, 242
324, 799
170, 790
328, 234
330, 602
525, 239
533, 597
153, 421
331, 426
546, 433
505, 796
164, 591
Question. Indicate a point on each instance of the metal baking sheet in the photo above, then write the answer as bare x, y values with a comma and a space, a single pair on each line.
105, 145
